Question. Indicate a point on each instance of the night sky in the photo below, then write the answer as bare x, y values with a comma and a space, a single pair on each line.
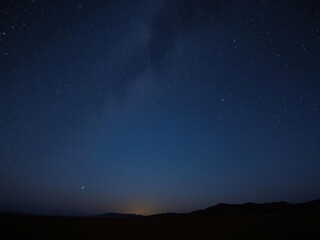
148, 106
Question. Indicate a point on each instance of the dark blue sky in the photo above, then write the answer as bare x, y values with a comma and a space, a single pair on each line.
153, 106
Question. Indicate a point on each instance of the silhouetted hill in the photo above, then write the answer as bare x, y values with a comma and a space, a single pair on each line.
119, 215
279, 220
254, 208
310, 206
219, 209
167, 215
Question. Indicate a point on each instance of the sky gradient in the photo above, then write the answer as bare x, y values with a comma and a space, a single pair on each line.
154, 106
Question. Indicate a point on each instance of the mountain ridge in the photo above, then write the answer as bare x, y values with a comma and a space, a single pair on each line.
250, 208
218, 209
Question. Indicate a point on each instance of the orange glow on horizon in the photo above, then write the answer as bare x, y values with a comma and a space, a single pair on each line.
142, 209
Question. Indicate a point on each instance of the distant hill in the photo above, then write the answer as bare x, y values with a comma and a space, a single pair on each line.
279, 220
254, 208
249, 208
219, 209
119, 215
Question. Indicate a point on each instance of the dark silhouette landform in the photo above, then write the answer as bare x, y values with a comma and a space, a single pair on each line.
277, 220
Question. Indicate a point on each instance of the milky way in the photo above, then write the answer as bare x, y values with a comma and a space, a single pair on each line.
154, 106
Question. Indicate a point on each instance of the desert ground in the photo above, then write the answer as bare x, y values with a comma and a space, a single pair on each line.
301, 225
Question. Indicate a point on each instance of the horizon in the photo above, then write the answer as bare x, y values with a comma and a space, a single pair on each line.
158, 106
146, 214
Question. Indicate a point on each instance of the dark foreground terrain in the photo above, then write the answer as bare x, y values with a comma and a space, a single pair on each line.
206, 224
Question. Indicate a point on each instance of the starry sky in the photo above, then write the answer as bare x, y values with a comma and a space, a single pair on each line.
148, 106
